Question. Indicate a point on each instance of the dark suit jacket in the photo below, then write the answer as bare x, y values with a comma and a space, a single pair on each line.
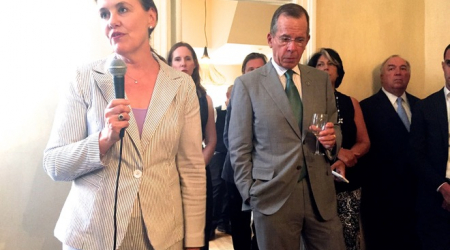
227, 172
389, 185
429, 143
220, 126
387, 160
267, 146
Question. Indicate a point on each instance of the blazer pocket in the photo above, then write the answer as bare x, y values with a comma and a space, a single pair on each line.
264, 174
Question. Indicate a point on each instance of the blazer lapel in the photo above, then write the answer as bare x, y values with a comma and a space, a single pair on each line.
104, 81
106, 85
275, 90
163, 95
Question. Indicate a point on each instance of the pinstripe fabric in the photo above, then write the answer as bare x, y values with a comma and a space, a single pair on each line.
136, 236
172, 186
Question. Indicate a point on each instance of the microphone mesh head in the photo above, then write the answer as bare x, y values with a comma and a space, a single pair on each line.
117, 67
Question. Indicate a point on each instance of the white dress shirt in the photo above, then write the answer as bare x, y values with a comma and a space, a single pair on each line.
393, 100
447, 101
296, 77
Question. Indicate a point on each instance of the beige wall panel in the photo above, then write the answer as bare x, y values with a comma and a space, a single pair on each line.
219, 13
251, 23
364, 33
437, 37
193, 22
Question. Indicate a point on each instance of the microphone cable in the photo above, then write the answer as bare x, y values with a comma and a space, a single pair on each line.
116, 192
117, 68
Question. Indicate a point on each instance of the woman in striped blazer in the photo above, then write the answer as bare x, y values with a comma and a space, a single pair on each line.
161, 193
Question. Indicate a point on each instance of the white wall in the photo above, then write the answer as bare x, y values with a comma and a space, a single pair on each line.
40, 45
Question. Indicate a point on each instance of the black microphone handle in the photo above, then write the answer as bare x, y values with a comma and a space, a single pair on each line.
119, 88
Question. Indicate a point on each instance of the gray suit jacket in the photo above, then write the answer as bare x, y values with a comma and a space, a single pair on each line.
267, 147
172, 188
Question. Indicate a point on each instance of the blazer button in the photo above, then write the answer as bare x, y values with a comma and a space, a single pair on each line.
299, 167
137, 174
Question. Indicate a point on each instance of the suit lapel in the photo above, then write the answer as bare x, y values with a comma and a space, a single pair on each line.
273, 86
441, 113
411, 100
164, 94
386, 104
307, 96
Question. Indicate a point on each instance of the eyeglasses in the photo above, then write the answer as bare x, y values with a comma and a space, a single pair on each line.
285, 40
447, 62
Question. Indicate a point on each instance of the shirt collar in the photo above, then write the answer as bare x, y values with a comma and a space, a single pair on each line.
280, 70
393, 98
446, 92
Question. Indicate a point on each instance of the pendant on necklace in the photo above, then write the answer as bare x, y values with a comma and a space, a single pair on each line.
135, 81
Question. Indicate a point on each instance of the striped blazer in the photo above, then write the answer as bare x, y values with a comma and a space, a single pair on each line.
165, 165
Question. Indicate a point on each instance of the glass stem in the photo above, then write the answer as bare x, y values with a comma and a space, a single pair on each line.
317, 147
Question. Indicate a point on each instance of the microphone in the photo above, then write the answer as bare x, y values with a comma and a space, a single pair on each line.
117, 68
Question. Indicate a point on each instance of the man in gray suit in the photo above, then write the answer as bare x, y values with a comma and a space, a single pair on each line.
288, 187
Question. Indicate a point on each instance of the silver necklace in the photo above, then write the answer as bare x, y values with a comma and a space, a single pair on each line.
135, 81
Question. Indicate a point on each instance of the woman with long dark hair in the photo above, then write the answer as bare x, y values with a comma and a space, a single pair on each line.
182, 57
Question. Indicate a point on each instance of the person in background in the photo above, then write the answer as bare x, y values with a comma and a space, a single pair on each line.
388, 192
355, 144
221, 217
289, 188
241, 231
430, 153
182, 57
161, 193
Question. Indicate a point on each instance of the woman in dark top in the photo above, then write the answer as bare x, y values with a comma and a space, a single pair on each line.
355, 143
183, 58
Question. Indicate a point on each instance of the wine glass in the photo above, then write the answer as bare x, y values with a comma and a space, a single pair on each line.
318, 123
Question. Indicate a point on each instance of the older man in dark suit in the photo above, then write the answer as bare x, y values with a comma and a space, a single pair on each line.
290, 189
389, 188
430, 151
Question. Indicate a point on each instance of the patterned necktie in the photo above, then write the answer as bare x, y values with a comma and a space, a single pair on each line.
402, 113
294, 97
297, 107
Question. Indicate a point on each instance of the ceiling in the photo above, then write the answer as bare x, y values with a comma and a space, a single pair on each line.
239, 29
